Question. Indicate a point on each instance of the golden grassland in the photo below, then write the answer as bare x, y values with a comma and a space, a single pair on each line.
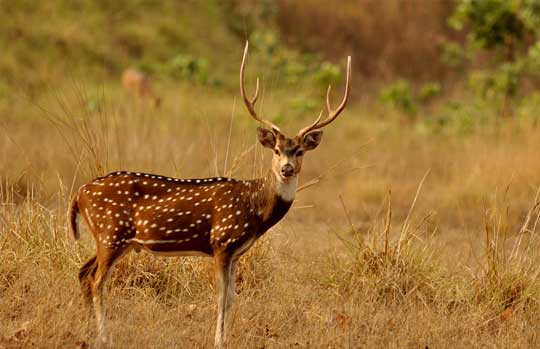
405, 239
406, 234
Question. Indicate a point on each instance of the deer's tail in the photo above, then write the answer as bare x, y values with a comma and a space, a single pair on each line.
72, 217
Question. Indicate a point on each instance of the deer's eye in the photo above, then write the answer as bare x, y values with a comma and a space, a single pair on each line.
276, 151
300, 152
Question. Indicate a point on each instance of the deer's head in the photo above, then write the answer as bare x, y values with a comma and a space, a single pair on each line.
289, 152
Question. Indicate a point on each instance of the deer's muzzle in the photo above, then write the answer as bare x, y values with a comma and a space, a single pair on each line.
287, 170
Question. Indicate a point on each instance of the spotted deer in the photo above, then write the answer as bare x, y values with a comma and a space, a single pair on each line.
214, 217
138, 84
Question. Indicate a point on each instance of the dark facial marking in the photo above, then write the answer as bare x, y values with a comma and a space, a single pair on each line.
288, 146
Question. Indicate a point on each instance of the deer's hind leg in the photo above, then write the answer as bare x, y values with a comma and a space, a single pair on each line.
86, 276
94, 274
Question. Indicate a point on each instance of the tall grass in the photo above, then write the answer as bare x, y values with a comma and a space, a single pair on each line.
395, 273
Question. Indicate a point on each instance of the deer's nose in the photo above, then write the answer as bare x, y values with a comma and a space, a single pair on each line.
287, 170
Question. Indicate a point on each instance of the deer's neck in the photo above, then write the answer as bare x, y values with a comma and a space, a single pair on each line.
277, 198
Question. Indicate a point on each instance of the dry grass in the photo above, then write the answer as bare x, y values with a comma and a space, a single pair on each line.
450, 259
451, 262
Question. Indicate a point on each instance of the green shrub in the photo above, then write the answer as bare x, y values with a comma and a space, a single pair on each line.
400, 96
327, 74
492, 23
429, 91
504, 27
453, 54
458, 119
188, 67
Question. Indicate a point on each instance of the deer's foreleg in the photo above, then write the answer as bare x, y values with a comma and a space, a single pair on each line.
225, 280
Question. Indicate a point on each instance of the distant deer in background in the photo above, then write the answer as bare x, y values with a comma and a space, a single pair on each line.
213, 217
137, 83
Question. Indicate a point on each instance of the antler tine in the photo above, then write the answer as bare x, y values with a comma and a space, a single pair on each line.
256, 94
310, 127
332, 114
328, 107
250, 104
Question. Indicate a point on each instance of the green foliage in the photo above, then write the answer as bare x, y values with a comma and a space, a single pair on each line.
304, 105
400, 96
293, 68
184, 67
477, 114
453, 54
505, 79
293, 65
327, 74
501, 26
533, 58
529, 13
481, 82
429, 91
457, 118
491, 22
528, 108
245, 18
188, 67
294, 71
267, 43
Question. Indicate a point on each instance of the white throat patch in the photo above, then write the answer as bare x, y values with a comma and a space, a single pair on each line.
286, 188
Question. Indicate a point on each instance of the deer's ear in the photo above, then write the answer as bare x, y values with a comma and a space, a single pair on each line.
312, 139
266, 137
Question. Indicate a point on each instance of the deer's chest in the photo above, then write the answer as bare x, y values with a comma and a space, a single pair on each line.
275, 213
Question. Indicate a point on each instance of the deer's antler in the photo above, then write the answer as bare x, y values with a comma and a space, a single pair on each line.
250, 103
332, 114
